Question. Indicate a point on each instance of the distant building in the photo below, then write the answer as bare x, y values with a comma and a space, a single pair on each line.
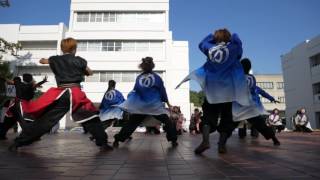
113, 36
273, 85
301, 71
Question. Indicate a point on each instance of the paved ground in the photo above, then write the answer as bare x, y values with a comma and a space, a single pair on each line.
71, 156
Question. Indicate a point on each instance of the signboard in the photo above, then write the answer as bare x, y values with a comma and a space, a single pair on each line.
10, 91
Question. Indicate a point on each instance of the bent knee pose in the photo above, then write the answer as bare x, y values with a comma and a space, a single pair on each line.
47, 110
223, 82
25, 91
255, 112
146, 99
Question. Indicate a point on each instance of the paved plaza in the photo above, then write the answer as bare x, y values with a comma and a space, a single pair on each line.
71, 156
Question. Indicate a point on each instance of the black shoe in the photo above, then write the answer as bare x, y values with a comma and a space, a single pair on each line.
116, 144
130, 138
106, 147
13, 147
174, 144
276, 142
91, 138
201, 148
222, 149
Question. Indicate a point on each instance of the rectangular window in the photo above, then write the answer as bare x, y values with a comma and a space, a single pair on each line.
99, 17
94, 46
281, 99
94, 78
92, 17
280, 85
142, 46
125, 46
82, 46
82, 17
265, 85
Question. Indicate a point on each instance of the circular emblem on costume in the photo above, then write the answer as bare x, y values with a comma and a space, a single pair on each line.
110, 95
219, 54
147, 80
250, 81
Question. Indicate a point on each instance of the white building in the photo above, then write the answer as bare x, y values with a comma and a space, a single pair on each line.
113, 36
301, 71
273, 85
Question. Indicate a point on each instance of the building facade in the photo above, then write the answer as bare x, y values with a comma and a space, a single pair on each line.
273, 85
301, 71
113, 36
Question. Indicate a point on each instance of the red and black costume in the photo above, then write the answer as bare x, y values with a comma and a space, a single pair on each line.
47, 110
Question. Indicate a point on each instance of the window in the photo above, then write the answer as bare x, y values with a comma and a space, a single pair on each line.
118, 76
94, 46
280, 85
142, 46
82, 46
281, 99
92, 17
82, 17
123, 17
264, 100
126, 46
265, 85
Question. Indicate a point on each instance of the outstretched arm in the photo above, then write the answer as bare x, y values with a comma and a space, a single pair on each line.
44, 61
45, 79
265, 95
88, 71
8, 81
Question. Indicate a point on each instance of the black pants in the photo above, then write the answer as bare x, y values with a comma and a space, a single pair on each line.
242, 132
211, 114
259, 124
136, 119
51, 117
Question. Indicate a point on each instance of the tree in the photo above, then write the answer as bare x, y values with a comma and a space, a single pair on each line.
197, 98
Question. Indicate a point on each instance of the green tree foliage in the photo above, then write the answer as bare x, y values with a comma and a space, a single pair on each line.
196, 98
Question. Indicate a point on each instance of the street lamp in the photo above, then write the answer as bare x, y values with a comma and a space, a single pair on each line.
4, 3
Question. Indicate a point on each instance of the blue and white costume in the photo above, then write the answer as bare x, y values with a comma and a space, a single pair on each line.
222, 78
147, 97
108, 108
255, 108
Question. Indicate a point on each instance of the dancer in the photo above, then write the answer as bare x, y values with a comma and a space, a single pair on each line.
146, 99
25, 91
109, 113
48, 109
223, 82
254, 113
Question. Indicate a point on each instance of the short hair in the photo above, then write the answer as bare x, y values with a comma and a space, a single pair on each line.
68, 45
196, 109
222, 35
112, 83
246, 65
147, 64
28, 78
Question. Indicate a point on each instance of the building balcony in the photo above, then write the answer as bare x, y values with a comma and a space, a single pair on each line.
315, 70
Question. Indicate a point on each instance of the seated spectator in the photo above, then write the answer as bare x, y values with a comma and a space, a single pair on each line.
302, 123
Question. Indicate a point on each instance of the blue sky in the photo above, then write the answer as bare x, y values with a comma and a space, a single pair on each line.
268, 28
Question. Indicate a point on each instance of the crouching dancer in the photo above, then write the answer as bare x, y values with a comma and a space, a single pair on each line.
47, 110
255, 111
146, 99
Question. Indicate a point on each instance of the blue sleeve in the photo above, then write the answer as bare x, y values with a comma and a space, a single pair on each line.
235, 40
163, 92
206, 44
264, 94
121, 98
102, 102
